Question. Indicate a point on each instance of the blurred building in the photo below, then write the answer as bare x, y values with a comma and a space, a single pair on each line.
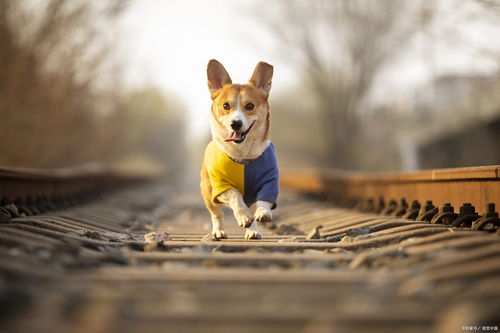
460, 122
474, 145
446, 90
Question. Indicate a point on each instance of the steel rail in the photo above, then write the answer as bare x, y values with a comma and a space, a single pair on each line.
30, 191
93, 267
476, 185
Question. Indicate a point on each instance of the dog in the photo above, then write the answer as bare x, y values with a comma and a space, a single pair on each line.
239, 167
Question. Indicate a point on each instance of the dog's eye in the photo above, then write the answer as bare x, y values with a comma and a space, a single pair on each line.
249, 106
226, 106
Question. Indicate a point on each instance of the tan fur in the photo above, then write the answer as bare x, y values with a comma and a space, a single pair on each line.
259, 137
222, 91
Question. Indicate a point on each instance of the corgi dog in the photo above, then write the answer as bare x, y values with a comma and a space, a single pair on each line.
239, 167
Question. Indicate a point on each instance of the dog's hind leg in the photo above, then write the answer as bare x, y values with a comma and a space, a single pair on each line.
253, 231
217, 216
216, 213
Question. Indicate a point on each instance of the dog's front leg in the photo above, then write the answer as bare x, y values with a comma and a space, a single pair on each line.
263, 211
234, 200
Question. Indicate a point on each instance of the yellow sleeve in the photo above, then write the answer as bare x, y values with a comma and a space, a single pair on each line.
224, 173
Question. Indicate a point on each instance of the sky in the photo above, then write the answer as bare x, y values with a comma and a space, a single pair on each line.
169, 43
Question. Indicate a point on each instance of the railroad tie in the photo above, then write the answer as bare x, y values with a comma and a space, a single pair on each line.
139, 259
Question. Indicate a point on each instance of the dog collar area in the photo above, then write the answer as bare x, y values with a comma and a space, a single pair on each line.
243, 161
247, 161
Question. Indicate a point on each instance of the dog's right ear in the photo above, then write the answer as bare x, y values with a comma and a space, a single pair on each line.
217, 77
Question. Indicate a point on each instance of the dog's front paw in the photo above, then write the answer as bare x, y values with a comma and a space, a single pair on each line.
252, 234
244, 217
263, 215
219, 234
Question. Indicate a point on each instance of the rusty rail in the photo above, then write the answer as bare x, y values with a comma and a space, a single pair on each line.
139, 259
476, 185
28, 191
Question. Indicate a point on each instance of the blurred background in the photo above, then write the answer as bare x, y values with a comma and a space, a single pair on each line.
384, 85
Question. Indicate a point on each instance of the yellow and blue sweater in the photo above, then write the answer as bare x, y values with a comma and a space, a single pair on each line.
256, 179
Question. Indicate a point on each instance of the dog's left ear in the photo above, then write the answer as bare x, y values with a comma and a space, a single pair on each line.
262, 76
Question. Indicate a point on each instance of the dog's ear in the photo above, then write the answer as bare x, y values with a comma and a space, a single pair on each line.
217, 77
262, 76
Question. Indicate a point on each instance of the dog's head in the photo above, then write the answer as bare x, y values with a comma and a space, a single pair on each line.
240, 112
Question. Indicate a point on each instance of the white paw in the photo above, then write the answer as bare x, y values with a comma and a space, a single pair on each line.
252, 234
244, 217
263, 215
219, 234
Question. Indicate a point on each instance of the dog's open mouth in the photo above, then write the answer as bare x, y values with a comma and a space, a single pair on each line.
238, 137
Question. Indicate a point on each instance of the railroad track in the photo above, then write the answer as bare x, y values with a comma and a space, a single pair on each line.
139, 259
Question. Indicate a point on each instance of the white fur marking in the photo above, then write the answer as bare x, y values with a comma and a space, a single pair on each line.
253, 146
253, 232
234, 200
263, 211
218, 227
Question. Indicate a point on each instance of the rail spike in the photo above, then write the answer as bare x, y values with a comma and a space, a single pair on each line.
466, 216
401, 209
391, 208
446, 215
427, 212
489, 221
412, 213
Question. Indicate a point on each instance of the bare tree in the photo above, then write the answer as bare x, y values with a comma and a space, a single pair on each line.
61, 99
489, 13
342, 46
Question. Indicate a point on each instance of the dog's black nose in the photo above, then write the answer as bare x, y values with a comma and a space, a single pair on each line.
236, 124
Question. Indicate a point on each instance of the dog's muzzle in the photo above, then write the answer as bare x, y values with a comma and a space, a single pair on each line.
237, 136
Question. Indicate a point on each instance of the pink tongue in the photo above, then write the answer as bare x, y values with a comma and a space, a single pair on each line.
234, 136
